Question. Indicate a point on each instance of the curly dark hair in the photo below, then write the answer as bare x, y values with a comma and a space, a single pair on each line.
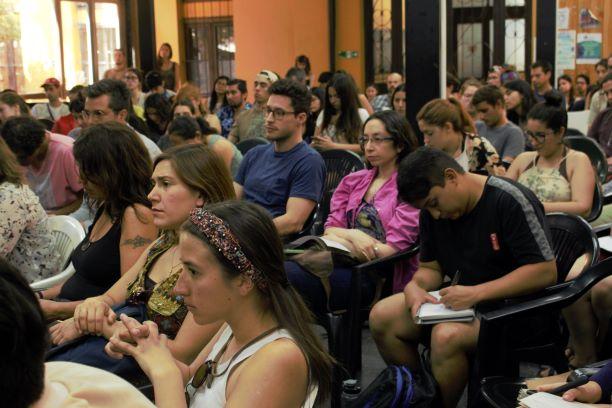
24, 135
117, 91
297, 92
113, 158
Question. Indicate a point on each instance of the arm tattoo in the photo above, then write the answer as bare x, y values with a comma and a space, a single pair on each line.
137, 241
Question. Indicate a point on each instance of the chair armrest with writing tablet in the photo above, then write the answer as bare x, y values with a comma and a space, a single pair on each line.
567, 294
384, 266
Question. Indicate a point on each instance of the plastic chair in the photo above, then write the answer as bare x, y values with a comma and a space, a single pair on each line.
247, 144
572, 236
68, 233
598, 203
594, 151
344, 327
338, 163
496, 355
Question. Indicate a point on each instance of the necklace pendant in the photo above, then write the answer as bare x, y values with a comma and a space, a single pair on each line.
85, 245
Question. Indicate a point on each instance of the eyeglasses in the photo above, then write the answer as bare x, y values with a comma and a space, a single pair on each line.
132, 77
278, 114
376, 140
538, 135
95, 114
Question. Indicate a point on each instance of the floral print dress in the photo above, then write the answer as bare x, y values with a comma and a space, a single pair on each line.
26, 242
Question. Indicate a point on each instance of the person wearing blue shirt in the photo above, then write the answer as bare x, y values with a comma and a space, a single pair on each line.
236, 98
285, 177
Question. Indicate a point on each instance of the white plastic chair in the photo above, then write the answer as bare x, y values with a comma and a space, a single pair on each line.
68, 233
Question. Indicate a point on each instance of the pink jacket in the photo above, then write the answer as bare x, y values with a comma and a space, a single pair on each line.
400, 220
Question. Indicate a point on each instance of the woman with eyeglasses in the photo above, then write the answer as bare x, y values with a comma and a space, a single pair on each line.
564, 180
133, 80
366, 216
266, 354
448, 127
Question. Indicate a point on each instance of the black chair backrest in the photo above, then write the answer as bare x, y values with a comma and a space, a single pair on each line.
248, 144
573, 132
338, 163
594, 151
597, 206
572, 237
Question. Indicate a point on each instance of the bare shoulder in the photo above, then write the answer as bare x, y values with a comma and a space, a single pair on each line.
282, 355
137, 213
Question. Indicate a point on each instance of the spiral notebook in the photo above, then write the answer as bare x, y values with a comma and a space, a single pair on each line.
432, 313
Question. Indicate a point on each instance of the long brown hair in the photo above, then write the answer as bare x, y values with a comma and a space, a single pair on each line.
202, 170
261, 244
440, 111
13, 99
349, 122
9, 168
113, 157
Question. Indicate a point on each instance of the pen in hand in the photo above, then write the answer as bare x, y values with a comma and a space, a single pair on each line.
566, 387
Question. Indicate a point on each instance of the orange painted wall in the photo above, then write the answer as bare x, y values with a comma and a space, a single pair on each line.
350, 37
269, 34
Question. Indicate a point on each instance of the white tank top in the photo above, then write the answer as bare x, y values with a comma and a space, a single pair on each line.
214, 397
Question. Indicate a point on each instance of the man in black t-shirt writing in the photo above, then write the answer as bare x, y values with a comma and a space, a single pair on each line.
487, 235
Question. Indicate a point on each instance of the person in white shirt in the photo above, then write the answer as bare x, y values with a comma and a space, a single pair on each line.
55, 108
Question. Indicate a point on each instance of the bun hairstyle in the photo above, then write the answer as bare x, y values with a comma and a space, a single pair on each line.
550, 112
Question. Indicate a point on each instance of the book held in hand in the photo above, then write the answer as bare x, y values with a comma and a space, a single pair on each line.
310, 241
432, 313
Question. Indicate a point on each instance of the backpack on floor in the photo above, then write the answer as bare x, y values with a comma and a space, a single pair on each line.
398, 387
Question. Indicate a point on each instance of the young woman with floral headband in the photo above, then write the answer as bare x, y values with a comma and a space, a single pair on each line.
266, 355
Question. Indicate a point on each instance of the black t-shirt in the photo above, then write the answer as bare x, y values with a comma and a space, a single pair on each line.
504, 231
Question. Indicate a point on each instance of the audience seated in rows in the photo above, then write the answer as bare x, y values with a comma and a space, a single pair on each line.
561, 178
133, 81
116, 172
66, 124
55, 108
158, 114
316, 107
12, 105
191, 92
26, 241
366, 217
236, 95
519, 100
466, 93
505, 136
250, 123
398, 97
488, 235
186, 129
286, 176
26, 381
217, 97
50, 168
184, 178
598, 99
383, 101
601, 128
155, 83
266, 353
341, 121
541, 72
108, 100
446, 126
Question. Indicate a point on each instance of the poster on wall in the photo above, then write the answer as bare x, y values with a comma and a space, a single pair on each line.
563, 14
588, 19
588, 49
566, 50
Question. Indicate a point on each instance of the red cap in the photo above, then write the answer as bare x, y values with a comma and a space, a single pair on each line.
51, 81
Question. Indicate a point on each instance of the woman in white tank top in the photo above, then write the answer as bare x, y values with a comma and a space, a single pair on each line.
266, 354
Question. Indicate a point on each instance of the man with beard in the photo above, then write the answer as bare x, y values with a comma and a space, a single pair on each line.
236, 98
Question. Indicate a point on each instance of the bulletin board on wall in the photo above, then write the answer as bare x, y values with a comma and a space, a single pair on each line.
584, 35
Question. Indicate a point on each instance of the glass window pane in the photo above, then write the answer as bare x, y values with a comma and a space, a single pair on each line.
29, 44
108, 35
515, 3
471, 3
469, 50
77, 43
515, 43
226, 49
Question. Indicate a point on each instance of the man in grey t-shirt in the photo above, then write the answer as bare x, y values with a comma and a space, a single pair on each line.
505, 136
